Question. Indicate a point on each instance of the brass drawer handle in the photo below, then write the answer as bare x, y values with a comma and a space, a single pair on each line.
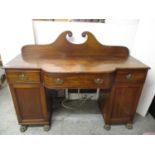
59, 81
98, 81
129, 77
23, 77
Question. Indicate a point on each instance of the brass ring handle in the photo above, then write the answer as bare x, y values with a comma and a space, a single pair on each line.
129, 77
98, 81
59, 81
23, 76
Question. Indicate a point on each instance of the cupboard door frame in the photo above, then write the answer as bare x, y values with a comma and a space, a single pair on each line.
45, 114
116, 117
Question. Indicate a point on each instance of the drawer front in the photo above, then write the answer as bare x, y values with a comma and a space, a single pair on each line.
78, 80
15, 76
131, 75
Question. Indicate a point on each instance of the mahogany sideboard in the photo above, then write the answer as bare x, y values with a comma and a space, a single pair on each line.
62, 65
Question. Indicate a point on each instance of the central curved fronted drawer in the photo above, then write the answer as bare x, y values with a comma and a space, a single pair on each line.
78, 80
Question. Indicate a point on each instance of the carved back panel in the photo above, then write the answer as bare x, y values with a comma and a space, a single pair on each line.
62, 48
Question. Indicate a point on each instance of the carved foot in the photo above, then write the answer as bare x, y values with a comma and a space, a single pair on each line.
107, 127
129, 126
46, 127
23, 128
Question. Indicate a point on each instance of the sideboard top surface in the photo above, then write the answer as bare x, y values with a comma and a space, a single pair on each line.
65, 57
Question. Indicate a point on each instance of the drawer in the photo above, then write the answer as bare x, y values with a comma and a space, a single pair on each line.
131, 75
14, 76
78, 80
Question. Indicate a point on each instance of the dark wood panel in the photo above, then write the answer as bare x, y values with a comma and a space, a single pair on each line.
30, 103
106, 104
125, 102
63, 48
118, 105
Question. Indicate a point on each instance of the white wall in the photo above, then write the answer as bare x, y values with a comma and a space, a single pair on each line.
14, 33
144, 49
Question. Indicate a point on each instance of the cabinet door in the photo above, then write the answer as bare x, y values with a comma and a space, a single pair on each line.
125, 102
30, 103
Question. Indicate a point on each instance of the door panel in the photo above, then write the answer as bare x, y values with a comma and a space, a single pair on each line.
125, 103
30, 103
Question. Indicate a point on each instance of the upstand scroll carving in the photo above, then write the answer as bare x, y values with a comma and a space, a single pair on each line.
62, 48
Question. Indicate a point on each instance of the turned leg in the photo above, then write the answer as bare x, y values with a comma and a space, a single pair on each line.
23, 128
